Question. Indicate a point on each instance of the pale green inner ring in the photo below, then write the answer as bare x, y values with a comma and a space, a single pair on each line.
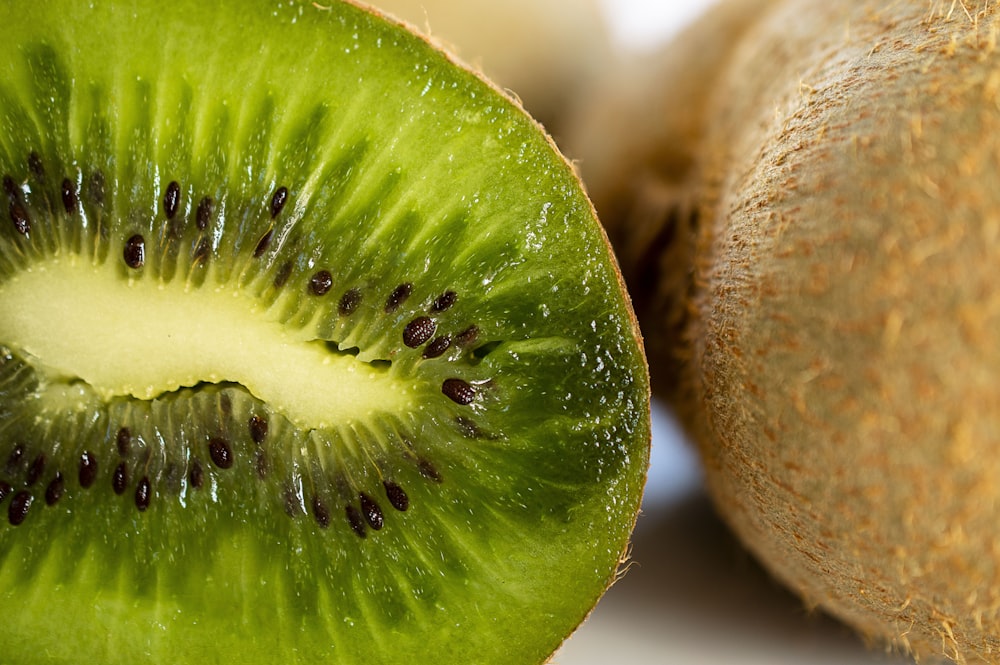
142, 338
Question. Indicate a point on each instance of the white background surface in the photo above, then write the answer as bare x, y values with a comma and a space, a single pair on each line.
692, 596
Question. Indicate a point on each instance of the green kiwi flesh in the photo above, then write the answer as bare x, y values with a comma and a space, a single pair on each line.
311, 348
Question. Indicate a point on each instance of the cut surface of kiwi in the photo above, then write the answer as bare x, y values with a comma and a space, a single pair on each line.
311, 347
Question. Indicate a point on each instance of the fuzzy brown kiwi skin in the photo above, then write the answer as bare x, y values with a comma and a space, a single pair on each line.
840, 360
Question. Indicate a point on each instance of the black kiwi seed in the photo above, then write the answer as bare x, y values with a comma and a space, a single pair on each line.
278, 201
18, 215
88, 469
459, 391
17, 511
437, 347
320, 283
397, 497
36, 167
428, 470
197, 476
262, 244
124, 441
258, 429
142, 492
70, 200
355, 520
119, 480
5, 490
204, 215
444, 301
320, 512
371, 511
35, 470
54, 490
349, 302
172, 199
134, 252
418, 331
397, 297
220, 452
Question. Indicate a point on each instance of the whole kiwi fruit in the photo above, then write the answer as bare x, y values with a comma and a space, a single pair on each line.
311, 347
816, 280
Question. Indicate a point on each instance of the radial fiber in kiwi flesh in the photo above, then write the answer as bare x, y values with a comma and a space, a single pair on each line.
312, 348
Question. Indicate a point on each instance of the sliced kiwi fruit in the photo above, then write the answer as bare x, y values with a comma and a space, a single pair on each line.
311, 347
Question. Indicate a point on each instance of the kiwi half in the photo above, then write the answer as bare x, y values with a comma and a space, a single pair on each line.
311, 347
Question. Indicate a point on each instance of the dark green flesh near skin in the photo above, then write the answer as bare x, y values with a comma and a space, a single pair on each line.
474, 516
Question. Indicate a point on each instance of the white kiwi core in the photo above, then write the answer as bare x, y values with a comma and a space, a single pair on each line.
143, 338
